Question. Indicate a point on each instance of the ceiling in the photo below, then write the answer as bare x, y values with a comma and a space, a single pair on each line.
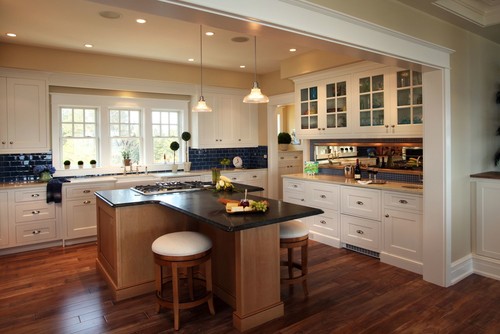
70, 24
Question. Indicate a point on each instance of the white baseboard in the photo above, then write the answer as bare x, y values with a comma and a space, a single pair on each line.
461, 268
400, 262
324, 239
487, 267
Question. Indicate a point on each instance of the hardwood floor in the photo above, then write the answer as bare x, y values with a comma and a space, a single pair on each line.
57, 290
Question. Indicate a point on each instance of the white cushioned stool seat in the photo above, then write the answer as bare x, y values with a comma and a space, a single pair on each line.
183, 243
293, 229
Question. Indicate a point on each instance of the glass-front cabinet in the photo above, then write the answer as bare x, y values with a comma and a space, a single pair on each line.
409, 97
309, 108
336, 105
371, 101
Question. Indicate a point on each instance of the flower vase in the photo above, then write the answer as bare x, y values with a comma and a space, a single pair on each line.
45, 177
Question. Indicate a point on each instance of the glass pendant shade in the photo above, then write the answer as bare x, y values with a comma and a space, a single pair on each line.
255, 95
201, 106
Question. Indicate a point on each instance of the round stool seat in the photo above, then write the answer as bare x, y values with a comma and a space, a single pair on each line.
183, 243
293, 229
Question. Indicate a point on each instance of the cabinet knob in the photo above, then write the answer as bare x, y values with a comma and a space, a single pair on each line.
35, 212
302, 200
255, 176
322, 222
11, 142
87, 202
323, 196
295, 186
386, 215
3, 142
359, 203
35, 195
360, 232
36, 232
86, 191
403, 201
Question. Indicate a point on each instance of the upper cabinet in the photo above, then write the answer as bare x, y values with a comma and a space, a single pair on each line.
364, 99
231, 123
24, 121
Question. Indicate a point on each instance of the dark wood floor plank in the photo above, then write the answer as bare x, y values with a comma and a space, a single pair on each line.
58, 290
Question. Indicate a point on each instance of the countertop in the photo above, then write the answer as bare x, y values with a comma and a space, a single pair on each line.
389, 185
204, 206
487, 175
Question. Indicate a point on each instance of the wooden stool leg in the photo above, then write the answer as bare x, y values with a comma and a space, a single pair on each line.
190, 282
158, 283
290, 267
304, 268
175, 291
208, 284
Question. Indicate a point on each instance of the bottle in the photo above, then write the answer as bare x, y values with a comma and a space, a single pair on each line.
382, 165
357, 171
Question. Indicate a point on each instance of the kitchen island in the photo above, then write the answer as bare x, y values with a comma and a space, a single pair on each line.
245, 255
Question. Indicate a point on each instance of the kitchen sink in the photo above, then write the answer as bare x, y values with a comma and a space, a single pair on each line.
136, 178
413, 187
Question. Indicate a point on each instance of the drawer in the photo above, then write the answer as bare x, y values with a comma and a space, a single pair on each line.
364, 233
294, 197
36, 232
365, 203
86, 191
403, 201
322, 195
32, 194
34, 211
326, 223
289, 184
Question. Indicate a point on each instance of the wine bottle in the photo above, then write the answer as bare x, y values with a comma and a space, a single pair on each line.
357, 171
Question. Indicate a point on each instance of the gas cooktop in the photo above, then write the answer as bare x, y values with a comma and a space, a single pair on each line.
170, 187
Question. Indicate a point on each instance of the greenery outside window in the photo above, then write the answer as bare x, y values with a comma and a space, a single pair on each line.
78, 133
165, 129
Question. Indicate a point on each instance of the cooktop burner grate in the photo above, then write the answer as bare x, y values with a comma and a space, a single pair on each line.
170, 187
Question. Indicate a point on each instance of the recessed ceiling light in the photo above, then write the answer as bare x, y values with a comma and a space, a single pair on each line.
141, 21
293, 50
242, 66
88, 45
11, 34
240, 39
108, 14
190, 59
209, 33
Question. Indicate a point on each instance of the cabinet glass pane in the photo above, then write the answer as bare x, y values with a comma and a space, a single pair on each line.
313, 93
330, 90
404, 97
313, 108
330, 105
342, 104
378, 117
342, 120
365, 118
304, 94
417, 78
417, 115
330, 121
304, 108
403, 79
304, 122
314, 122
364, 102
364, 85
341, 88
404, 116
417, 95
378, 100
378, 82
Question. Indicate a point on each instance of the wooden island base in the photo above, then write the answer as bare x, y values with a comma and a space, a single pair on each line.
245, 263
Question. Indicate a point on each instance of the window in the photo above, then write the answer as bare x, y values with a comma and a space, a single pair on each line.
125, 133
78, 134
165, 130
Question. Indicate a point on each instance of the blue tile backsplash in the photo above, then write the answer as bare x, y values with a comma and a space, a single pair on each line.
19, 167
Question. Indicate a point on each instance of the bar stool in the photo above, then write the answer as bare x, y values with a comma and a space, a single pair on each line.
182, 251
293, 234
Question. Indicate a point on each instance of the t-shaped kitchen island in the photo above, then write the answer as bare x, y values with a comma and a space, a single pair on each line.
245, 255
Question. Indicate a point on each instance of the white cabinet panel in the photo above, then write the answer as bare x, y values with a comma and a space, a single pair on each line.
361, 202
36, 232
360, 232
487, 219
4, 218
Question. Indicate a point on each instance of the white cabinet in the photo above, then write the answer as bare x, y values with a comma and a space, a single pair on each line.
4, 218
487, 222
402, 231
23, 115
360, 217
257, 177
289, 162
79, 209
232, 123
34, 218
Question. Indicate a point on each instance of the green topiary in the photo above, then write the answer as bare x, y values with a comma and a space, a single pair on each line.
284, 138
174, 146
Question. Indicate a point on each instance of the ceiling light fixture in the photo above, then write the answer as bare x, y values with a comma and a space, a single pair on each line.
209, 33
141, 21
255, 95
11, 34
89, 46
201, 106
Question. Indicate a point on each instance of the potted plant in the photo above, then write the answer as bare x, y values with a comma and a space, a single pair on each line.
225, 162
93, 163
126, 157
67, 164
44, 172
186, 136
284, 139
174, 146
80, 164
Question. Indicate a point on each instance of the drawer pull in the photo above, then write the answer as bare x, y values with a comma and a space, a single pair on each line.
360, 232
386, 215
35, 212
359, 203
302, 200
86, 191
87, 202
403, 201
36, 232
295, 186
322, 222
35, 195
255, 176
323, 196
233, 178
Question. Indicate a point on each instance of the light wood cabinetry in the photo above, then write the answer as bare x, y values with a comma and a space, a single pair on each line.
289, 162
232, 123
4, 218
79, 209
402, 231
486, 220
23, 115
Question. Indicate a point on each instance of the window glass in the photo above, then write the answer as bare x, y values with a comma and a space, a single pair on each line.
165, 129
125, 133
79, 134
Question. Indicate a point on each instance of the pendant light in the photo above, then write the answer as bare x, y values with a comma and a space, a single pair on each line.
201, 106
255, 95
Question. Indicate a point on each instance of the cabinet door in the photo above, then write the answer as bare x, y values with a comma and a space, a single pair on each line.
4, 219
81, 218
487, 213
207, 126
364, 233
409, 98
335, 112
323, 195
27, 115
3, 114
360, 202
245, 124
402, 232
371, 102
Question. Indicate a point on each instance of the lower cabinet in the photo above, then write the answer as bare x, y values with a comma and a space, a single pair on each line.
257, 177
4, 219
289, 162
486, 220
360, 232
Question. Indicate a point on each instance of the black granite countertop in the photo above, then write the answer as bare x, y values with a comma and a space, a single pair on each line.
204, 206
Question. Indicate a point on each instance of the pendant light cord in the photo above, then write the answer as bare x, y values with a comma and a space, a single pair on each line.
255, 58
201, 61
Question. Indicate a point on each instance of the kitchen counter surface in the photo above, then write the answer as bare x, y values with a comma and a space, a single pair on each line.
487, 175
204, 206
389, 185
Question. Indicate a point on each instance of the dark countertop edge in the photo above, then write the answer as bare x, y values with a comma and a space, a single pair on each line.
487, 175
